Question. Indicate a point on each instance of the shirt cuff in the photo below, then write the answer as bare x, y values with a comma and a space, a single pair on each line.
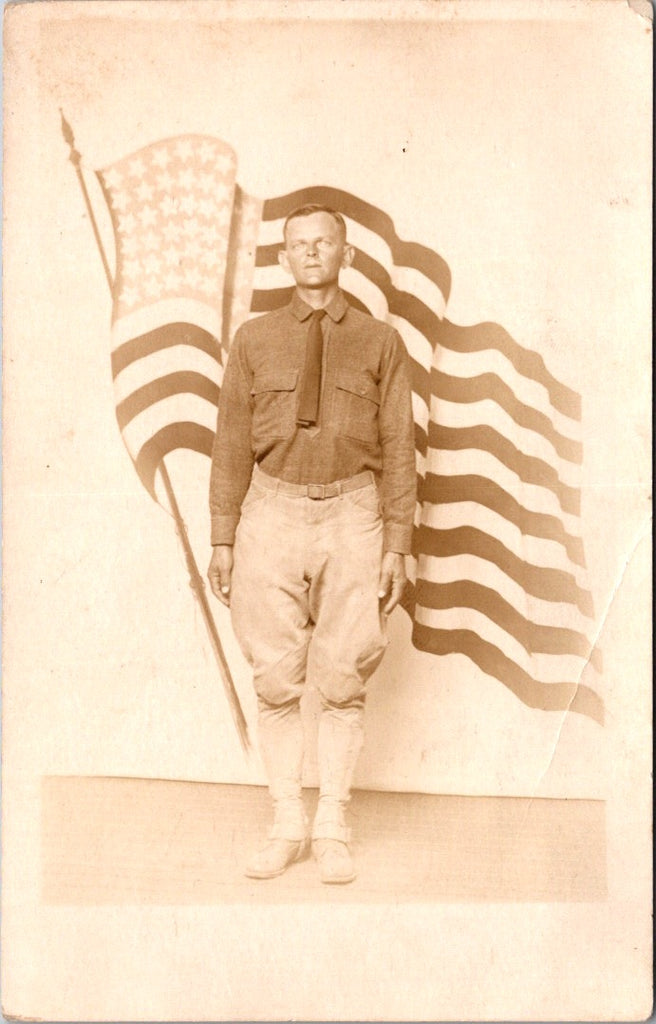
223, 529
397, 538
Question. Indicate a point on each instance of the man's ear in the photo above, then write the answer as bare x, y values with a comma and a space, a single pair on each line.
283, 261
348, 256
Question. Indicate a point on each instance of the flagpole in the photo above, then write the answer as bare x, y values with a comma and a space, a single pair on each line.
195, 579
76, 159
198, 586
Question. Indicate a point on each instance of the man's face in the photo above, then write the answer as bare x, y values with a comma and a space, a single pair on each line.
315, 250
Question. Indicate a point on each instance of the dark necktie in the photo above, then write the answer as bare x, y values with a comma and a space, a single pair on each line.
308, 408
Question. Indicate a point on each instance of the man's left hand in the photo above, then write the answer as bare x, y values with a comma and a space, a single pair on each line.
392, 579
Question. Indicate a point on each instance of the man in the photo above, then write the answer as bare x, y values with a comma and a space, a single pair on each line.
312, 498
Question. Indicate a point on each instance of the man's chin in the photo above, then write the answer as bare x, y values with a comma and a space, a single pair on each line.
315, 281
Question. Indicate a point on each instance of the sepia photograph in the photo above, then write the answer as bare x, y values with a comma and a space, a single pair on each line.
326, 686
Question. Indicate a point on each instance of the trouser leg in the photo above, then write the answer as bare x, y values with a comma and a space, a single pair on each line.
339, 743
347, 645
281, 744
269, 609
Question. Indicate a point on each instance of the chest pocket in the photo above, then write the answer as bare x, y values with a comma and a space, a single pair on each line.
274, 404
357, 401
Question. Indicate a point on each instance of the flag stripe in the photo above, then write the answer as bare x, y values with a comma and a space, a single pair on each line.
486, 413
546, 583
160, 363
166, 336
488, 387
173, 436
469, 487
528, 392
182, 382
421, 441
167, 411
538, 550
533, 636
543, 668
479, 337
452, 568
482, 463
562, 696
528, 468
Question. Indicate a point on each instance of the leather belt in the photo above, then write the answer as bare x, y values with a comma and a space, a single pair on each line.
317, 492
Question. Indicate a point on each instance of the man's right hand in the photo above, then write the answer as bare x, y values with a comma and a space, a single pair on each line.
220, 572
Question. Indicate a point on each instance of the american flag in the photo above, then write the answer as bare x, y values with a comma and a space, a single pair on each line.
183, 232
498, 564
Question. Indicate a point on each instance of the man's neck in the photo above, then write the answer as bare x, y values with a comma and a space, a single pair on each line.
318, 298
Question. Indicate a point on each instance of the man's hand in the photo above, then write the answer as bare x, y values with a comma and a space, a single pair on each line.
220, 572
392, 579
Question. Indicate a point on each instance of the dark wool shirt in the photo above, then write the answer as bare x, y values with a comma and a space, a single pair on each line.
365, 415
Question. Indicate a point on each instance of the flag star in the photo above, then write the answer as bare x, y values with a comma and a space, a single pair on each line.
172, 257
168, 207
171, 231
165, 181
120, 201
223, 215
207, 150
206, 207
209, 258
152, 286
131, 269
150, 240
223, 163
186, 178
130, 297
112, 178
188, 203
161, 156
192, 276
210, 234
127, 224
148, 216
208, 285
184, 148
222, 246
145, 191
130, 246
137, 167
172, 280
207, 182
192, 227
153, 264
193, 248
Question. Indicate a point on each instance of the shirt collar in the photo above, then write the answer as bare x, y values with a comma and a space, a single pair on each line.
335, 309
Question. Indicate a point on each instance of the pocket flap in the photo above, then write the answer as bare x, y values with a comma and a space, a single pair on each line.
279, 380
360, 385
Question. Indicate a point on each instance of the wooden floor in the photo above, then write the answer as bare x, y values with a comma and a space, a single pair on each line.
139, 841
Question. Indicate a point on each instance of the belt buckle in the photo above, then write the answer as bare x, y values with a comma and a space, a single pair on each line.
316, 491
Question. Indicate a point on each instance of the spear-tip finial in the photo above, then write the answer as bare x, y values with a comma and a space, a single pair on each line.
69, 138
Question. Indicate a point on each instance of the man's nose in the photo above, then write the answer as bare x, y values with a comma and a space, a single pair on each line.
311, 249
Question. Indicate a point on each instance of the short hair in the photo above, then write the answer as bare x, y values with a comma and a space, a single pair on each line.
308, 209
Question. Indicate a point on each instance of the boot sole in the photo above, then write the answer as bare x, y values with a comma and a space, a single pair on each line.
263, 875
